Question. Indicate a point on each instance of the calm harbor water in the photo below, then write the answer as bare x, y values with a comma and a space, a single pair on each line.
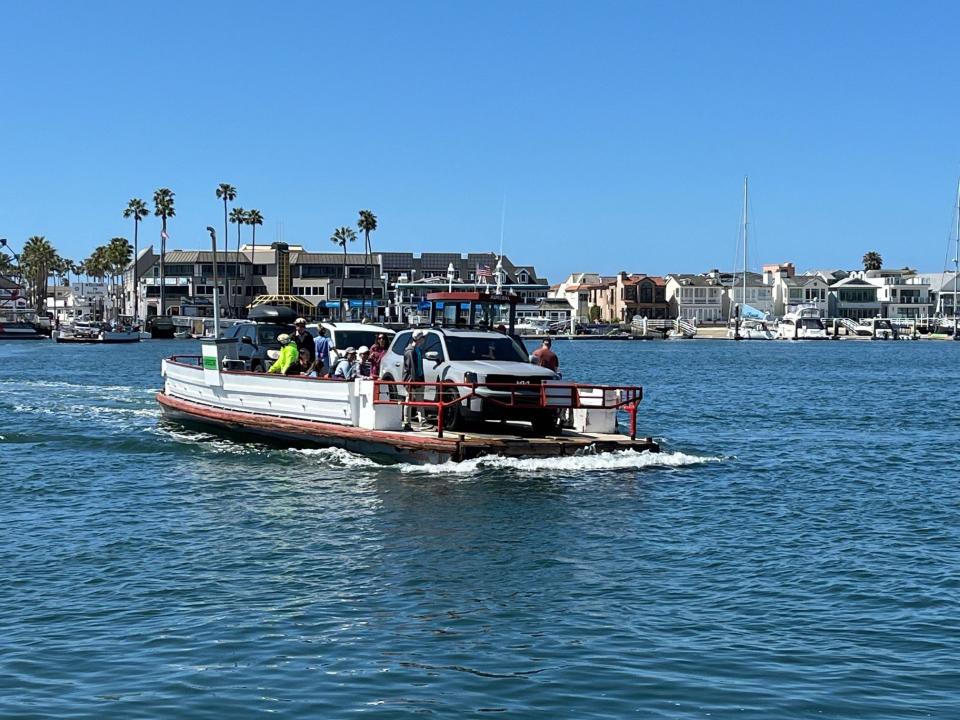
793, 553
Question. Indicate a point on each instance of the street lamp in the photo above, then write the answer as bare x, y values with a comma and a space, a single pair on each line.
451, 273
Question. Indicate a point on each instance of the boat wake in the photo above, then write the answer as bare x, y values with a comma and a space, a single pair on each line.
619, 460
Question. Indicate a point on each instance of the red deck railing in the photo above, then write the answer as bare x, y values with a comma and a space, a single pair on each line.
550, 396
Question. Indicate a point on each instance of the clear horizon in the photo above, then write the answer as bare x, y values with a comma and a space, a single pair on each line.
618, 133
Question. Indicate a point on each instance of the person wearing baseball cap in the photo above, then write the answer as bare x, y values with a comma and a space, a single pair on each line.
347, 367
289, 354
303, 338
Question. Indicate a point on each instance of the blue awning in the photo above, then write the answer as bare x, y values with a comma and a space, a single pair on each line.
333, 304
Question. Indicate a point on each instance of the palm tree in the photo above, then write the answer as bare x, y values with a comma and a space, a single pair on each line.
7, 268
163, 208
118, 255
367, 224
341, 236
38, 257
137, 209
96, 267
228, 193
239, 216
254, 218
872, 261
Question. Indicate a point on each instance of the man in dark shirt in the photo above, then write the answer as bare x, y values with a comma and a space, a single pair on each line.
413, 372
545, 357
304, 339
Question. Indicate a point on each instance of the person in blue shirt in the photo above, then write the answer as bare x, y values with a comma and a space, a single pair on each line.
322, 349
347, 367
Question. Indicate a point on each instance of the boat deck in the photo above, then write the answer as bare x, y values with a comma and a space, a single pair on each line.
514, 440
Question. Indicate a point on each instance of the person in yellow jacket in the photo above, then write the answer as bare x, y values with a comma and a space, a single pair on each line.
288, 355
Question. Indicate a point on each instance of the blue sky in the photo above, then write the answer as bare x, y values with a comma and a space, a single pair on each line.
619, 133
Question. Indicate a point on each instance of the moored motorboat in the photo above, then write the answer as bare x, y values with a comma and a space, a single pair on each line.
14, 329
804, 323
365, 415
96, 333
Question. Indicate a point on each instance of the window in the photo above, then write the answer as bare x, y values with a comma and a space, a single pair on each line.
433, 344
321, 271
401, 342
259, 269
179, 269
494, 347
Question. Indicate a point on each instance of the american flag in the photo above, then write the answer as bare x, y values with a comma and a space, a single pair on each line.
483, 271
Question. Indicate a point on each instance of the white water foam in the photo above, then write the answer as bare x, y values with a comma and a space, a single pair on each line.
337, 456
619, 460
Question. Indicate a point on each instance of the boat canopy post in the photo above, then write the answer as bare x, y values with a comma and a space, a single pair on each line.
216, 287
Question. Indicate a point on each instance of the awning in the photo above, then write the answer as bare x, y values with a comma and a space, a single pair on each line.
333, 304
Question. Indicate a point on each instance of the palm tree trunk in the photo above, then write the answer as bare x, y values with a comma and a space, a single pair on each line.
253, 263
366, 270
163, 259
343, 280
226, 249
236, 265
136, 284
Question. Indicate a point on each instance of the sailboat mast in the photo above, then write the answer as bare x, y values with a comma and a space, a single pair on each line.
956, 265
746, 225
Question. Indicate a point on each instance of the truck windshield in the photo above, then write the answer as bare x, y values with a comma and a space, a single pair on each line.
494, 347
355, 338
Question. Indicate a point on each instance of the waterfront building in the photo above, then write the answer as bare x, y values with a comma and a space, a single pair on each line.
759, 294
853, 297
944, 290
410, 278
395, 283
555, 310
641, 295
901, 293
791, 291
12, 297
695, 297
576, 290
82, 300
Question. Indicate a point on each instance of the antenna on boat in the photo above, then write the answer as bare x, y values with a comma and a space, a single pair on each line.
499, 269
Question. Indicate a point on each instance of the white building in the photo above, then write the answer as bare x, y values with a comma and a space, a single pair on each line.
759, 295
902, 293
695, 297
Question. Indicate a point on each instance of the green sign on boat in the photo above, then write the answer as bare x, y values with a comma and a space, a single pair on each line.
209, 362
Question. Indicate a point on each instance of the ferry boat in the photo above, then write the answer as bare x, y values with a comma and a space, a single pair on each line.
365, 415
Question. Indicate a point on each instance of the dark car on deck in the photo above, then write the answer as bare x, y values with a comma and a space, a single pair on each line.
257, 336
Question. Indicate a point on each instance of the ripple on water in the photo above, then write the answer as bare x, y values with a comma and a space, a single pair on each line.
790, 554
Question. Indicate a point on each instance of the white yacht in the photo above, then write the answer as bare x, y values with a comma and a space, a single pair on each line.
750, 329
804, 323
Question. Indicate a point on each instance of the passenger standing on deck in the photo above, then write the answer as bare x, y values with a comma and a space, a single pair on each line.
288, 354
304, 339
376, 355
545, 357
321, 348
413, 373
